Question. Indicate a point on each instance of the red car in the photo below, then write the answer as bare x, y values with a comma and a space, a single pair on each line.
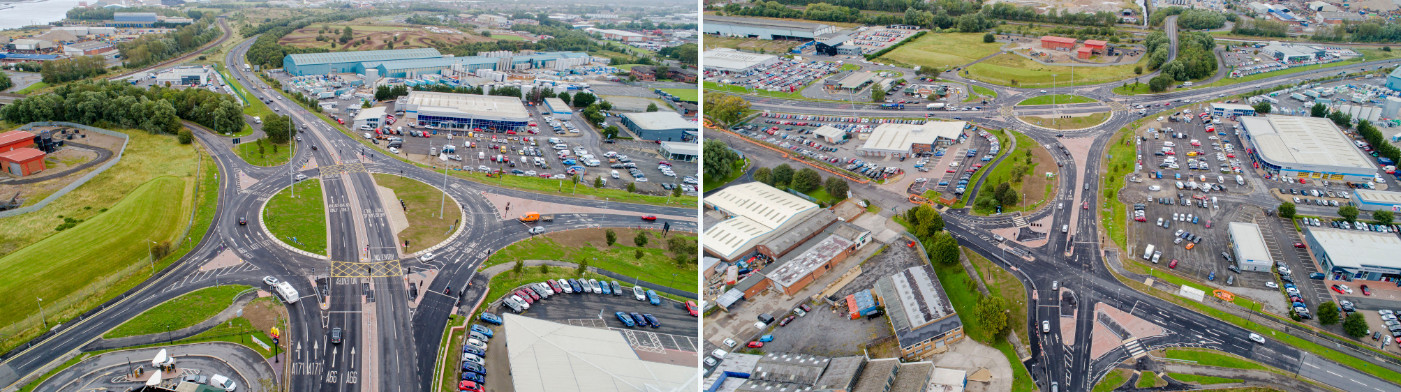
1338, 290
468, 386
649, 218
1300, 245
1365, 290
1085, 206
1173, 264
786, 320
691, 308
949, 171
755, 344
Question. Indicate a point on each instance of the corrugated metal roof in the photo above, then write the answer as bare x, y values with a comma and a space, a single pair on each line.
1356, 249
551, 357
302, 59
21, 154
12, 137
660, 120
1304, 141
1249, 244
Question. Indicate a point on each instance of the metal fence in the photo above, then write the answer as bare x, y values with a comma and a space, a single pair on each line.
82, 180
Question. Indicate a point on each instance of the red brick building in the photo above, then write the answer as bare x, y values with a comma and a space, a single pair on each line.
1058, 43
1096, 45
1084, 52
644, 73
22, 161
15, 140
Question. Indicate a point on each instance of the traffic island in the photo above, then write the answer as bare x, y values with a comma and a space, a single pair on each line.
421, 215
296, 216
1067, 122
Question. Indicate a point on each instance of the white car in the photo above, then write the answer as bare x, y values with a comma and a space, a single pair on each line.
271, 281
520, 301
639, 293
476, 344
220, 381
731, 343
427, 257
1272, 285
537, 230
593, 285
564, 285
1257, 338
1345, 288
1045, 326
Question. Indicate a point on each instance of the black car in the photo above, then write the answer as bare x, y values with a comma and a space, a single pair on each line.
336, 335
637, 318
242, 221
652, 320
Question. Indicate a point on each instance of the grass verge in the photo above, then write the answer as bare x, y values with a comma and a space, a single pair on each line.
426, 228
261, 152
447, 348
1020, 172
32, 88
1065, 123
1150, 380
1055, 99
1014, 70
1113, 380
942, 50
299, 221
964, 297
1215, 358
1002, 284
655, 266
684, 94
715, 183
181, 312
1201, 380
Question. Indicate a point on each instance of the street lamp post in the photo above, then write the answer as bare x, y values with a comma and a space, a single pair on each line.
151, 256
41, 313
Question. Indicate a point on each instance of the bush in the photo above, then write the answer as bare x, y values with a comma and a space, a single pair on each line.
186, 137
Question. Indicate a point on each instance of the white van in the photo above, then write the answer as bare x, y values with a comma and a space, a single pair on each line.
1065, 228
221, 381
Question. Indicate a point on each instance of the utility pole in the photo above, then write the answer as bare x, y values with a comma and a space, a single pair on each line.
151, 256
444, 199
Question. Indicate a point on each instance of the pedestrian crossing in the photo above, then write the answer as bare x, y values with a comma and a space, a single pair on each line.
1135, 348
1019, 221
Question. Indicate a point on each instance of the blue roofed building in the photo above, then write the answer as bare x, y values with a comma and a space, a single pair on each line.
663, 126
1393, 81
415, 67
133, 19
304, 64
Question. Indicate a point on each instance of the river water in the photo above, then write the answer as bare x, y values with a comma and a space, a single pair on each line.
16, 15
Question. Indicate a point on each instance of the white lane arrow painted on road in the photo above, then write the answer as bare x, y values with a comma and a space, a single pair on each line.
315, 346
352, 356
333, 357
299, 350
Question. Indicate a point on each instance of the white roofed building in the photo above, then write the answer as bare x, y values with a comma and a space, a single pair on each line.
1306, 147
730, 60
1355, 254
552, 357
465, 111
755, 210
905, 139
1249, 247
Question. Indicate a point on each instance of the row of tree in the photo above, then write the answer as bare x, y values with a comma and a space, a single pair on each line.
121, 105
1360, 32
1260, 28
70, 69
152, 48
1197, 19
1195, 58
1373, 136
805, 180
941, 13
5, 82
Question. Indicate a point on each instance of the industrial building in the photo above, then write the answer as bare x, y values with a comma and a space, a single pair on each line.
549, 356
919, 311
906, 139
679, 151
1249, 247
303, 64
1305, 147
1293, 53
18, 155
1057, 43
133, 19
31, 44
661, 126
558, 108
818, 255
788, 372
1374, 200
184, 76
830, 134
619, 35
837, 46
1231, 109
730, 60
1355, 254
772, 29
369, 118
87, 48
754, 211
1393, 80
852, 82
464, 111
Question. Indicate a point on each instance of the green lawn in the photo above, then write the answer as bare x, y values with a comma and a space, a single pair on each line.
1132, 89
849, 67
1150, 380
1002, 284
446, 347
423, 202
763, 93
300, 221
1113, 380
1004, 173
655, 266
1119, 162
626, 67
685, 94
942, 50
271, 155
775, 47
715, 183
567, 188
1074, 122
1201, 380
32, 88
983, 91
964, 295
1056, 99
183, 311
1213, 358
507, 37
1014, 70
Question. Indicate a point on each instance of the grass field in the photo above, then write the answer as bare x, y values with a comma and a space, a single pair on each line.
183, 311
1113, 380
655, 266
849, 67
271, 155
105, 253
750, 44
377, 36
32, 88
426, 228
507, 37
1033, 182
716, 183
1150, 380
1056, 99
942, 50
1014, 70
763, 93
1073, 122
302, 218
1201, 380
685, 94
964, 295
1002, 284
1212, 358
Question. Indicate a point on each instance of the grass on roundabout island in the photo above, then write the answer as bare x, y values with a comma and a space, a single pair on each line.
181, 312
1065, 123
421, 205
300, 221
1056, 99
1150, 380
271, 154
1113, 380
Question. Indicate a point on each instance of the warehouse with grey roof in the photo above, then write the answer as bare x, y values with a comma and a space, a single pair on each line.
663, 126
772, 29
1305, 147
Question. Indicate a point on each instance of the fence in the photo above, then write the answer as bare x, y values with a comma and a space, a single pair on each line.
81, 180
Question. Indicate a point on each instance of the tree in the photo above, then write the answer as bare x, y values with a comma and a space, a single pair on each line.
1349, 213
988, 38
1286, 210
583, 267
5, 82
1343, 120
1263, 107
682, 247
347, 34
763, 174
1159, 83
1318, 110
186, 137
719, 159
564, 96
610, 236
927, 222
1382, 217
544, 268
877, 94
725, 109
836, 187
945, 249
583, 100
782, 175
598, 182
1328, 313
807, 180
640, 239
1355, 325
992, 312
652, 107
